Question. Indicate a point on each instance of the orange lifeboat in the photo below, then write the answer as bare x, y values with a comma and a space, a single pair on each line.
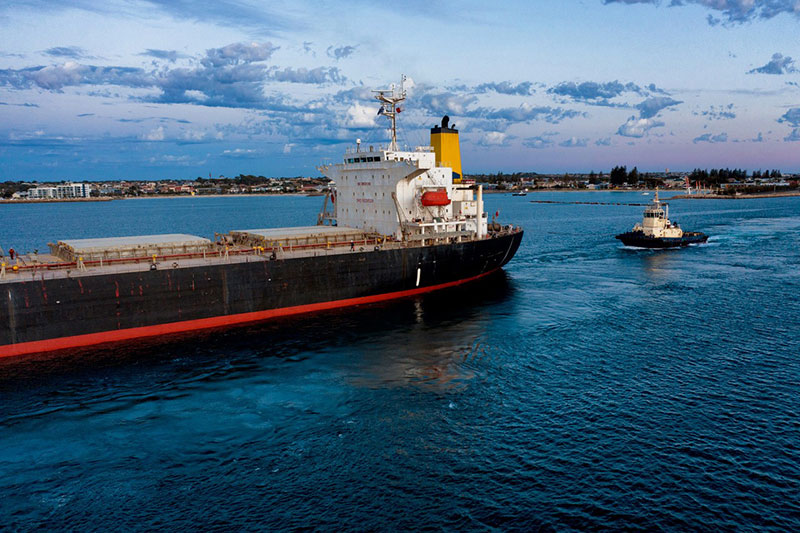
435, 198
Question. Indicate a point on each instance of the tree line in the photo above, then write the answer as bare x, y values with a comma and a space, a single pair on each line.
248, 180
715, 177
721, 176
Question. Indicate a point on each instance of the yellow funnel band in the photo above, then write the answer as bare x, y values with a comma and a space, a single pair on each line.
448, 152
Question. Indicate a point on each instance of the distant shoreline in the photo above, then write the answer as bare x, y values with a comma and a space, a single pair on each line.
785, 194
54, 200
485, 191
735, 197
150, 197
568, 189
165, 196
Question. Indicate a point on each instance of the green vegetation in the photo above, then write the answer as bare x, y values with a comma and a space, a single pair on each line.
502, 178
618, 176
716, 177
8, 188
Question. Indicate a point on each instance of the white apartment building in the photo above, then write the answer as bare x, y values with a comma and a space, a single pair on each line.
60, 191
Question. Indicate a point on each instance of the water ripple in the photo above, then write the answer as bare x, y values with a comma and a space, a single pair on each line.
587, 387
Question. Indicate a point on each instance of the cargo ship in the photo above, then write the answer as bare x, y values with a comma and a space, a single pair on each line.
398, 223
657, 231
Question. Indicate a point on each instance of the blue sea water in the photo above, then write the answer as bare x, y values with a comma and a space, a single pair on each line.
588, 386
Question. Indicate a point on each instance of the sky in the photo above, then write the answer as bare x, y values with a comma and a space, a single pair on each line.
157, 89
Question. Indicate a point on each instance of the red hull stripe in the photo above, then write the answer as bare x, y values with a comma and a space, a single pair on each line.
62, 343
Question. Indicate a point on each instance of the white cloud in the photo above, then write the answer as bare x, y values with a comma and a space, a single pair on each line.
359, 116
167, 158
193, 135
734, 11
237, 53
638, 127
199, 96
574, 142
709, 138
793, 136
155, 135
538, 142
493, 138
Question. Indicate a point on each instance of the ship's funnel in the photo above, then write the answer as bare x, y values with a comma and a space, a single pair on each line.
444, 140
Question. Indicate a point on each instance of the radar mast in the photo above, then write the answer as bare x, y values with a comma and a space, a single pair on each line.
389, 99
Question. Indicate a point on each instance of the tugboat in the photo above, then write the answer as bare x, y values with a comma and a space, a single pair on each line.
656, 230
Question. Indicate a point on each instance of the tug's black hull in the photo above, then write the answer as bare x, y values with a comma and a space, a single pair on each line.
66, 312
640, 240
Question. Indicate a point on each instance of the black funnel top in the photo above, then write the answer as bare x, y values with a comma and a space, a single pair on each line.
444, 128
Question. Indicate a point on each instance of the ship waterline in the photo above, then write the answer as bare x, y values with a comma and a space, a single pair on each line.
71, 311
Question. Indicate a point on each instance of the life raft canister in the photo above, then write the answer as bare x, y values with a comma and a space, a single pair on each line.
435, 198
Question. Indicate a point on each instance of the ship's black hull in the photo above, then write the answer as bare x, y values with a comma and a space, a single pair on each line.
640, 240
54, 314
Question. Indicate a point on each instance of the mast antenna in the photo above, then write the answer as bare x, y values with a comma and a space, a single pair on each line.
389, 99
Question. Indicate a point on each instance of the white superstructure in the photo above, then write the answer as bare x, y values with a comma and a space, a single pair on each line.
656, 223
406, 195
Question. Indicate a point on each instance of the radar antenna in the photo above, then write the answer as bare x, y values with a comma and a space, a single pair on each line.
390, 98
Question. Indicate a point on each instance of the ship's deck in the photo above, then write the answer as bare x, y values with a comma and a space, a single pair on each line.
47, 266
128, 247
29, 267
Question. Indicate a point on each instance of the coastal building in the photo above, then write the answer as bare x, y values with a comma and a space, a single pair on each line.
60, 191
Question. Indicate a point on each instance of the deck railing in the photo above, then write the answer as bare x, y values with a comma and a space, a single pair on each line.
221, 252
